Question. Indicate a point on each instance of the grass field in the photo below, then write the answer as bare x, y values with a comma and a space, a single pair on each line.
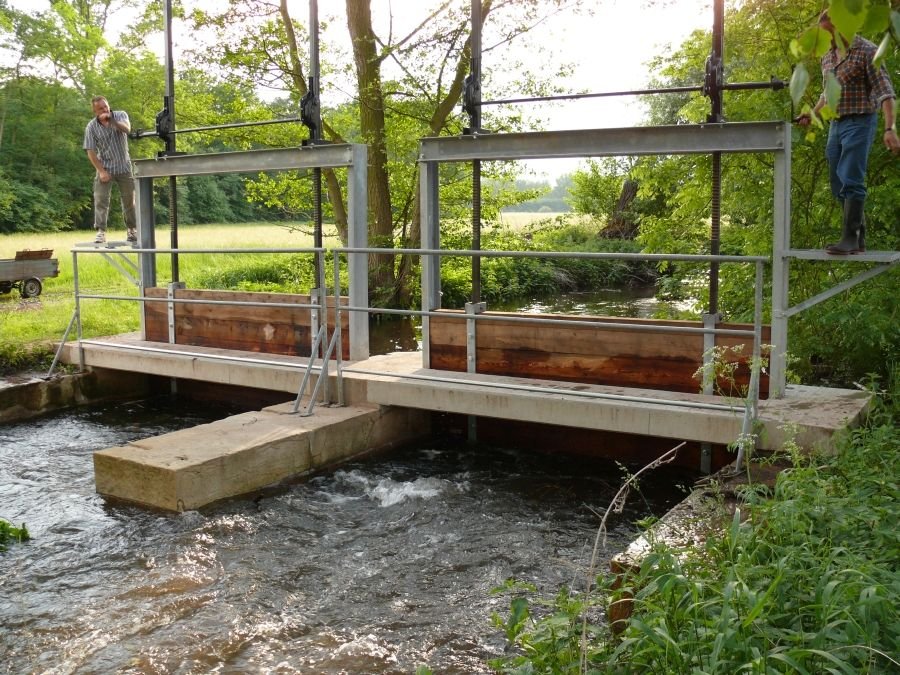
45, 318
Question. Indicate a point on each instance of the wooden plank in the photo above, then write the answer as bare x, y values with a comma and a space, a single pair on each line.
270, 330
593, 355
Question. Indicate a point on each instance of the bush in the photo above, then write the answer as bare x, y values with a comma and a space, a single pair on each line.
808, 583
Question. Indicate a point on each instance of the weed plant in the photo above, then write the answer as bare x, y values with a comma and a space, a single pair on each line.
9, 533
805, 580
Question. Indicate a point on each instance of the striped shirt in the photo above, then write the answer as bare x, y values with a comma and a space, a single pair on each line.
110, 144
863, 86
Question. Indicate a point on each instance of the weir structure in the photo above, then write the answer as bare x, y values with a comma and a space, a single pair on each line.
575, 378
391, 397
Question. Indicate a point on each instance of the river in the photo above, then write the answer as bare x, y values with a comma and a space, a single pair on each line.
376, 567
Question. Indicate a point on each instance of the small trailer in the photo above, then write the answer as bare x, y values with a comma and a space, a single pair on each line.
26, 271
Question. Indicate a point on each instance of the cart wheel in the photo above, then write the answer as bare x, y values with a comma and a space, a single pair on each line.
31, 288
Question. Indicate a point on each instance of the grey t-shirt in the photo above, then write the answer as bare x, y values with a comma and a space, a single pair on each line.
110, 144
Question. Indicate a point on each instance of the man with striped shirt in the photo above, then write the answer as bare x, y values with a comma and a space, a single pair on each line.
106, 143
864, 89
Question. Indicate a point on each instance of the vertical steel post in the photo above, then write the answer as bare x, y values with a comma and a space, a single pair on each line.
339, 356
169, 113
144, 204
781, 247
357, 263
431, 241
474, 110
78, 329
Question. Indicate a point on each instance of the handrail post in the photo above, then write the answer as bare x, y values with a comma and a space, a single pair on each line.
323, 304
338, 317
472, 309
76, 288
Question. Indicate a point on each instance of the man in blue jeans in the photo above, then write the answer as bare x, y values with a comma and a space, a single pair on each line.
864, 89
106, 143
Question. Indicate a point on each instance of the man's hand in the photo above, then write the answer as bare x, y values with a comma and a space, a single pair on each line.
803, 120
892, 142
104, 176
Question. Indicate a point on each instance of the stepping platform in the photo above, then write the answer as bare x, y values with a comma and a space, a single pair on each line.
110, 243
889, 257
188, 469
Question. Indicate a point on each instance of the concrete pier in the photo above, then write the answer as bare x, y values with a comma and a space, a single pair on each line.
237, 455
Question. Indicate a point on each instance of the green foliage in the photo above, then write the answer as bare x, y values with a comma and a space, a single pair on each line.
9, 533
16, 357
849, 17
549, 635
807, 583
596, 190
509, 279
677, 194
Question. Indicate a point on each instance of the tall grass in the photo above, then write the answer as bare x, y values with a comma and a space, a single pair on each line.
808, 583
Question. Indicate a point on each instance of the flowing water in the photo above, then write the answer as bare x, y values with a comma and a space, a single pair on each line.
375, 567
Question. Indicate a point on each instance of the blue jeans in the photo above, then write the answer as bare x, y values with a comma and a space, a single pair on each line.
847, 150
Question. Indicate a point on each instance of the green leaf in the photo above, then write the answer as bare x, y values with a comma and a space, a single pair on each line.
805, 45
895, 25
878, 18
823, 42
789, 660
832, 91
882, 52
799, 83
847, 16
518, 613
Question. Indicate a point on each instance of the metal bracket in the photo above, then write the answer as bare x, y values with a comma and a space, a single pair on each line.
170, 306
472, 308
709, 342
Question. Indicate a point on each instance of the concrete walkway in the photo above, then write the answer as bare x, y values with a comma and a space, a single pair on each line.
809, 415
388, 401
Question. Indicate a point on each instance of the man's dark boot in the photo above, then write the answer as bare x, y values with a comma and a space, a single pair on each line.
852, 228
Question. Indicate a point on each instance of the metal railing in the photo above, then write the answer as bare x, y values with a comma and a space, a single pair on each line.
474, 314
318, 310
331, 347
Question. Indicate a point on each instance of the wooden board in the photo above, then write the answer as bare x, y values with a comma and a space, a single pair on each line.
268, 330
611, 356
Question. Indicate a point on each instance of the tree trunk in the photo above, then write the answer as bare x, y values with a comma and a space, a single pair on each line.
621, 224
436, 125
372, 126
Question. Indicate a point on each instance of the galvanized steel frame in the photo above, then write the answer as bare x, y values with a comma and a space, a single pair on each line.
352, 156
769, 137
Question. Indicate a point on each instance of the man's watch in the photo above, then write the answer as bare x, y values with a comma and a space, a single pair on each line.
889, 128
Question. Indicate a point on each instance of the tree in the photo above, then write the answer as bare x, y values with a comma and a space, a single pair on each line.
758, 44
428, 65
